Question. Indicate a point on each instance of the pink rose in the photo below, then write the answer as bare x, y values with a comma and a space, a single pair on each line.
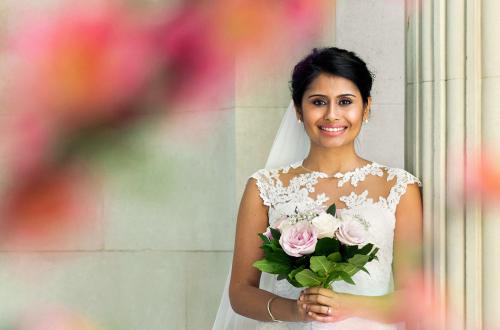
268, 233
351, 231
299, 239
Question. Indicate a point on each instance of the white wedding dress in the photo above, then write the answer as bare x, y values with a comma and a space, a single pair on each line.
373, 191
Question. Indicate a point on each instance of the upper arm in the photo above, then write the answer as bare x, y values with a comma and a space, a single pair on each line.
252, 219
408, 235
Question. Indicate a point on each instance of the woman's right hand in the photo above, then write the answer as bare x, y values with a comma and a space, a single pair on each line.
302, 313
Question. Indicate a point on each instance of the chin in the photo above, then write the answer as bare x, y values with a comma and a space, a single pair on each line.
330, 145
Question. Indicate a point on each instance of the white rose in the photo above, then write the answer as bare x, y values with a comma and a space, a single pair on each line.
351, 230
326, 225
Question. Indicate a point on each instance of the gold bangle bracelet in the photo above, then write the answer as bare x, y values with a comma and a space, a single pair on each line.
269, 309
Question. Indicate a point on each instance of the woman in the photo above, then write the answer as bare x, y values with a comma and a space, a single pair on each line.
331, 100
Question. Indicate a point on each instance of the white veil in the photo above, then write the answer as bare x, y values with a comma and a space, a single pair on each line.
291, 144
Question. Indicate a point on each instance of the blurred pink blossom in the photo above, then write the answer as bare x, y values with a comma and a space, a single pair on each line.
88, 68
83, 65
44, 211
482, 175
55, 319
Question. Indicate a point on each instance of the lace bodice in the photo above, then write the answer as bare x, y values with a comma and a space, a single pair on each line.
372, 191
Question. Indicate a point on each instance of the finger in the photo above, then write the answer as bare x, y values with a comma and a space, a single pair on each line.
320, 309
318, 290
316, 299
313, 290
304, 307
321, 318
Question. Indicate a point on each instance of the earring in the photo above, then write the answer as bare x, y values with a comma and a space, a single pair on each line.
299, 121
366, 121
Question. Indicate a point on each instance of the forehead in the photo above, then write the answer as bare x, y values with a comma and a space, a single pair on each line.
328, 84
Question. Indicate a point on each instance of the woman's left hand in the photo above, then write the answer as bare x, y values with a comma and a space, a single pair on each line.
325, 305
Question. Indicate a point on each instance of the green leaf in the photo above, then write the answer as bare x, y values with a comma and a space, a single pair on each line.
348, 251
282, 277
359, 260
294, 283
321, 265
332, 209
365, 270
275, 233
346, 277
275, 244
301, 261
271, 267
373, 254
307, 278
264, 238
334, 276
365, 249
295, 271
291, 276
279, 256
267, 248
326, 246
335, 257
347, 268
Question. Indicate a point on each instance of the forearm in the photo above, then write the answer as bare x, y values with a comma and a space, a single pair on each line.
251, 302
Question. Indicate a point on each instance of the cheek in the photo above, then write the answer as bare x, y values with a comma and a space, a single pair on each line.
311, 118
355, 116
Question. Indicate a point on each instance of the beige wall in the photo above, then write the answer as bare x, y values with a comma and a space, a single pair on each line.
375, 31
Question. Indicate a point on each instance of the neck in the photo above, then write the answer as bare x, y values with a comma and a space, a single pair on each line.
333, 160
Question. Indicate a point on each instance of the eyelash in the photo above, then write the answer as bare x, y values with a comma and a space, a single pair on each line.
340, 102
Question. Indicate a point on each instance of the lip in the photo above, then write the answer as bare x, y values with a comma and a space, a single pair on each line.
333, 133
332, 125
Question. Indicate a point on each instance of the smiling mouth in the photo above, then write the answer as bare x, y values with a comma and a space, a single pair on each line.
333, 129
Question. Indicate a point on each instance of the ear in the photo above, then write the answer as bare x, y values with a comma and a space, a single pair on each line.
298, 113
367, 109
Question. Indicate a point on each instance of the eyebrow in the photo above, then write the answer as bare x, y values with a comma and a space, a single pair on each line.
341, 95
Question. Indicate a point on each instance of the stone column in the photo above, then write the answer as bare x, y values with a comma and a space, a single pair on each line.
453, 69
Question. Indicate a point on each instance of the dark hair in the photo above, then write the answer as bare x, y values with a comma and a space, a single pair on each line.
332, 60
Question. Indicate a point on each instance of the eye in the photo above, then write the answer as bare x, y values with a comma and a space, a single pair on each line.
345, 101
319, 102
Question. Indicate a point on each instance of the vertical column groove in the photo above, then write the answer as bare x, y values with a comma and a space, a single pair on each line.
473, 242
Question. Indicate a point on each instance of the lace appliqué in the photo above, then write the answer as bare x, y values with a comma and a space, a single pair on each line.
360, 174
273, 192
354, 200
391, 202
404, 178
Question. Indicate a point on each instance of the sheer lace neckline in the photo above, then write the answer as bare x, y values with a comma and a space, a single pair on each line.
338, 175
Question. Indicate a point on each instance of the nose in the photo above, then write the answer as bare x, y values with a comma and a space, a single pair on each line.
332, 112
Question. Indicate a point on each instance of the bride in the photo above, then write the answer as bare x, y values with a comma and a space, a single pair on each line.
313, 163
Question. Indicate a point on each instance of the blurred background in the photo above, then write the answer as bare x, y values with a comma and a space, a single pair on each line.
128, 131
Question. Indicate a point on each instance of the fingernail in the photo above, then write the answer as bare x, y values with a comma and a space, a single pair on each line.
304, 305
309, 313
301, 298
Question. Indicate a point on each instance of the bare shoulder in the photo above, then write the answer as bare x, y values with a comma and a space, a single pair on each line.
253, 193
412, 198
410, 185
408, 232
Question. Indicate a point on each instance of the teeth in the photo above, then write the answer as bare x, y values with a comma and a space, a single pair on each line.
331, 129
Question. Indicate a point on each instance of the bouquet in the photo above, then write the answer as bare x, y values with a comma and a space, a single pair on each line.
311, 249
